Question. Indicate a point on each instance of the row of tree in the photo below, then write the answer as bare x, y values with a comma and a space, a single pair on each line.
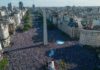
27, 21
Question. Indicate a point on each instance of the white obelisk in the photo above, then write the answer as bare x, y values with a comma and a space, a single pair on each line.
45, 37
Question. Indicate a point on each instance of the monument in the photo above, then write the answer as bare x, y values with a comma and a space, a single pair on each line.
45, 38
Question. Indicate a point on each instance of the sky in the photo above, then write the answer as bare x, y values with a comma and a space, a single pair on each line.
50, 3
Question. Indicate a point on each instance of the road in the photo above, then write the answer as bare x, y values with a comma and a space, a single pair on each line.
35, 57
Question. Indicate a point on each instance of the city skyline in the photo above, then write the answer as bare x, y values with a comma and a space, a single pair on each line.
50, 3
49, 34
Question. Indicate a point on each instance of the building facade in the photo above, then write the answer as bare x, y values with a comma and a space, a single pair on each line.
4, 33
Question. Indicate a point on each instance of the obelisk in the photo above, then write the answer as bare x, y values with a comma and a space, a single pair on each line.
45, 37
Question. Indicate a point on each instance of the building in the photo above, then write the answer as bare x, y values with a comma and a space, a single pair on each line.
3, 12
12, 24
90, 37
17, 17
10, 8
4, 32
0, 46
21, 5
33, 7
96, 24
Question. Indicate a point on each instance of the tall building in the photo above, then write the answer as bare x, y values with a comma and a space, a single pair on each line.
10, 7
4, 32
33, 7
21, 5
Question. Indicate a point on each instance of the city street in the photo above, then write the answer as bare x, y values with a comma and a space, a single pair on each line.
34, 57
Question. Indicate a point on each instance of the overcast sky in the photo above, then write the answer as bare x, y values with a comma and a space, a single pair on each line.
53, 2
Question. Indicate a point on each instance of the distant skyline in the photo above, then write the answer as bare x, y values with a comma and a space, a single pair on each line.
50, 3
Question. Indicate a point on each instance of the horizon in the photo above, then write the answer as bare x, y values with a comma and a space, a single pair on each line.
51, 3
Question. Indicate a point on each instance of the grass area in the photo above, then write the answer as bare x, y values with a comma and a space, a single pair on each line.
27, 27
3, 63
